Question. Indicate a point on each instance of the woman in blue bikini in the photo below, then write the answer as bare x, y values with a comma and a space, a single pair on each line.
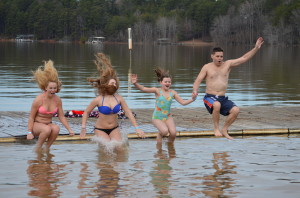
108, 103
162, 118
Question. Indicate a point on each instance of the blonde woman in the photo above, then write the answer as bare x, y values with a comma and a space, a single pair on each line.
108, 103
45, 106
162, 118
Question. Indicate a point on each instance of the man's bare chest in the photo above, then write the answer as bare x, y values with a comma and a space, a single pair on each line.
218, 73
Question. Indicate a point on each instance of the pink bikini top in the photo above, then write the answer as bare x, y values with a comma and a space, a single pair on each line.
42, 109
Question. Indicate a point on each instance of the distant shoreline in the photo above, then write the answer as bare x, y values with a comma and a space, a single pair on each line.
194, 42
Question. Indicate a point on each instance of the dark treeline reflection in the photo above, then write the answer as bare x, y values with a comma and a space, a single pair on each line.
270, 78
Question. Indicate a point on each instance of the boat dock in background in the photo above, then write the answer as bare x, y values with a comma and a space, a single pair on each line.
242, 132
96, 40
25, 38
190, 122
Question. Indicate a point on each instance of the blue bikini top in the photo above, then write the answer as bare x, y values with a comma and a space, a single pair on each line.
107, 110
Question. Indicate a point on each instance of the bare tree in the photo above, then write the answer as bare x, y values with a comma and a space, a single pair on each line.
221, 31
242, 27
166, 27
296, 22
172, 28
161, 25
143, 32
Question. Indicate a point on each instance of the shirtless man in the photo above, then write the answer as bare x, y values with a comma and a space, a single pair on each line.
216, 75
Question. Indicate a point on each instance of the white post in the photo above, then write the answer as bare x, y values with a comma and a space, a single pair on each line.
129, 39
130, 48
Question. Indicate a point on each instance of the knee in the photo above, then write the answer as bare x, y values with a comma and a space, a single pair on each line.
172, 134
164, 132
235, 110
55, 130
46, 131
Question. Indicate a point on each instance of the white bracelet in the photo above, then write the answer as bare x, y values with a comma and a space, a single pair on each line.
29, 132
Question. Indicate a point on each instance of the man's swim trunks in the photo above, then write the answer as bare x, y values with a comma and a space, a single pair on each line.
226, 105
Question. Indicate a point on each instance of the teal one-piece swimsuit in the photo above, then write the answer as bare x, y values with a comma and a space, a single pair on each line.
162, 109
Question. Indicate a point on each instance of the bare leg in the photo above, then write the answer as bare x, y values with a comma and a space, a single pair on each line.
234, 112
116, 135
216, 118
162, 128
171, 150
159, 145
43, 131
102, 134
172, 129
42, 138
53, 135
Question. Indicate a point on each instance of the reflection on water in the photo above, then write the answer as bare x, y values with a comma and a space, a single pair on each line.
216, 183
194, 167
270, 78
108, 182
162, 172
45, 176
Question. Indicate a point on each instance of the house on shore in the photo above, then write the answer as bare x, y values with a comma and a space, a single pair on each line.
25, 38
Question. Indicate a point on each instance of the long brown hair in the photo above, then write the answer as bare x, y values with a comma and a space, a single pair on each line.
105, 74
45, 74
161, 74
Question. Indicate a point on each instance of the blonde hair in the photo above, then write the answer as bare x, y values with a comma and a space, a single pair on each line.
161, 74
106, 73
45, 74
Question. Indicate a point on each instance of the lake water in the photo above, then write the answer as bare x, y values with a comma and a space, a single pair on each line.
270, 78
194, 167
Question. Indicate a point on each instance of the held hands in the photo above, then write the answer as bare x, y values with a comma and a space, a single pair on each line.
194, 95
133, 78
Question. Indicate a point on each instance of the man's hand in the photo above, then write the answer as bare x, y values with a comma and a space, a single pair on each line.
194, 94
259, 42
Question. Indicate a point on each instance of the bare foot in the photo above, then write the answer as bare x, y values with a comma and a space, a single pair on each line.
218, 133
225, 133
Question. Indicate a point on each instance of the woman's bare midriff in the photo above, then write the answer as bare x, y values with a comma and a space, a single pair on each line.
110, 121
44, 119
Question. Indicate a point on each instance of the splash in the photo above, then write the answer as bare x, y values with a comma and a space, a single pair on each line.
110, 146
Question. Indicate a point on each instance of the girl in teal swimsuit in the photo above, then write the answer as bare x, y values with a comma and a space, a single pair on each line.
162, 118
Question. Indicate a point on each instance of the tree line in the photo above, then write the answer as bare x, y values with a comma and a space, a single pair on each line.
221, 21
